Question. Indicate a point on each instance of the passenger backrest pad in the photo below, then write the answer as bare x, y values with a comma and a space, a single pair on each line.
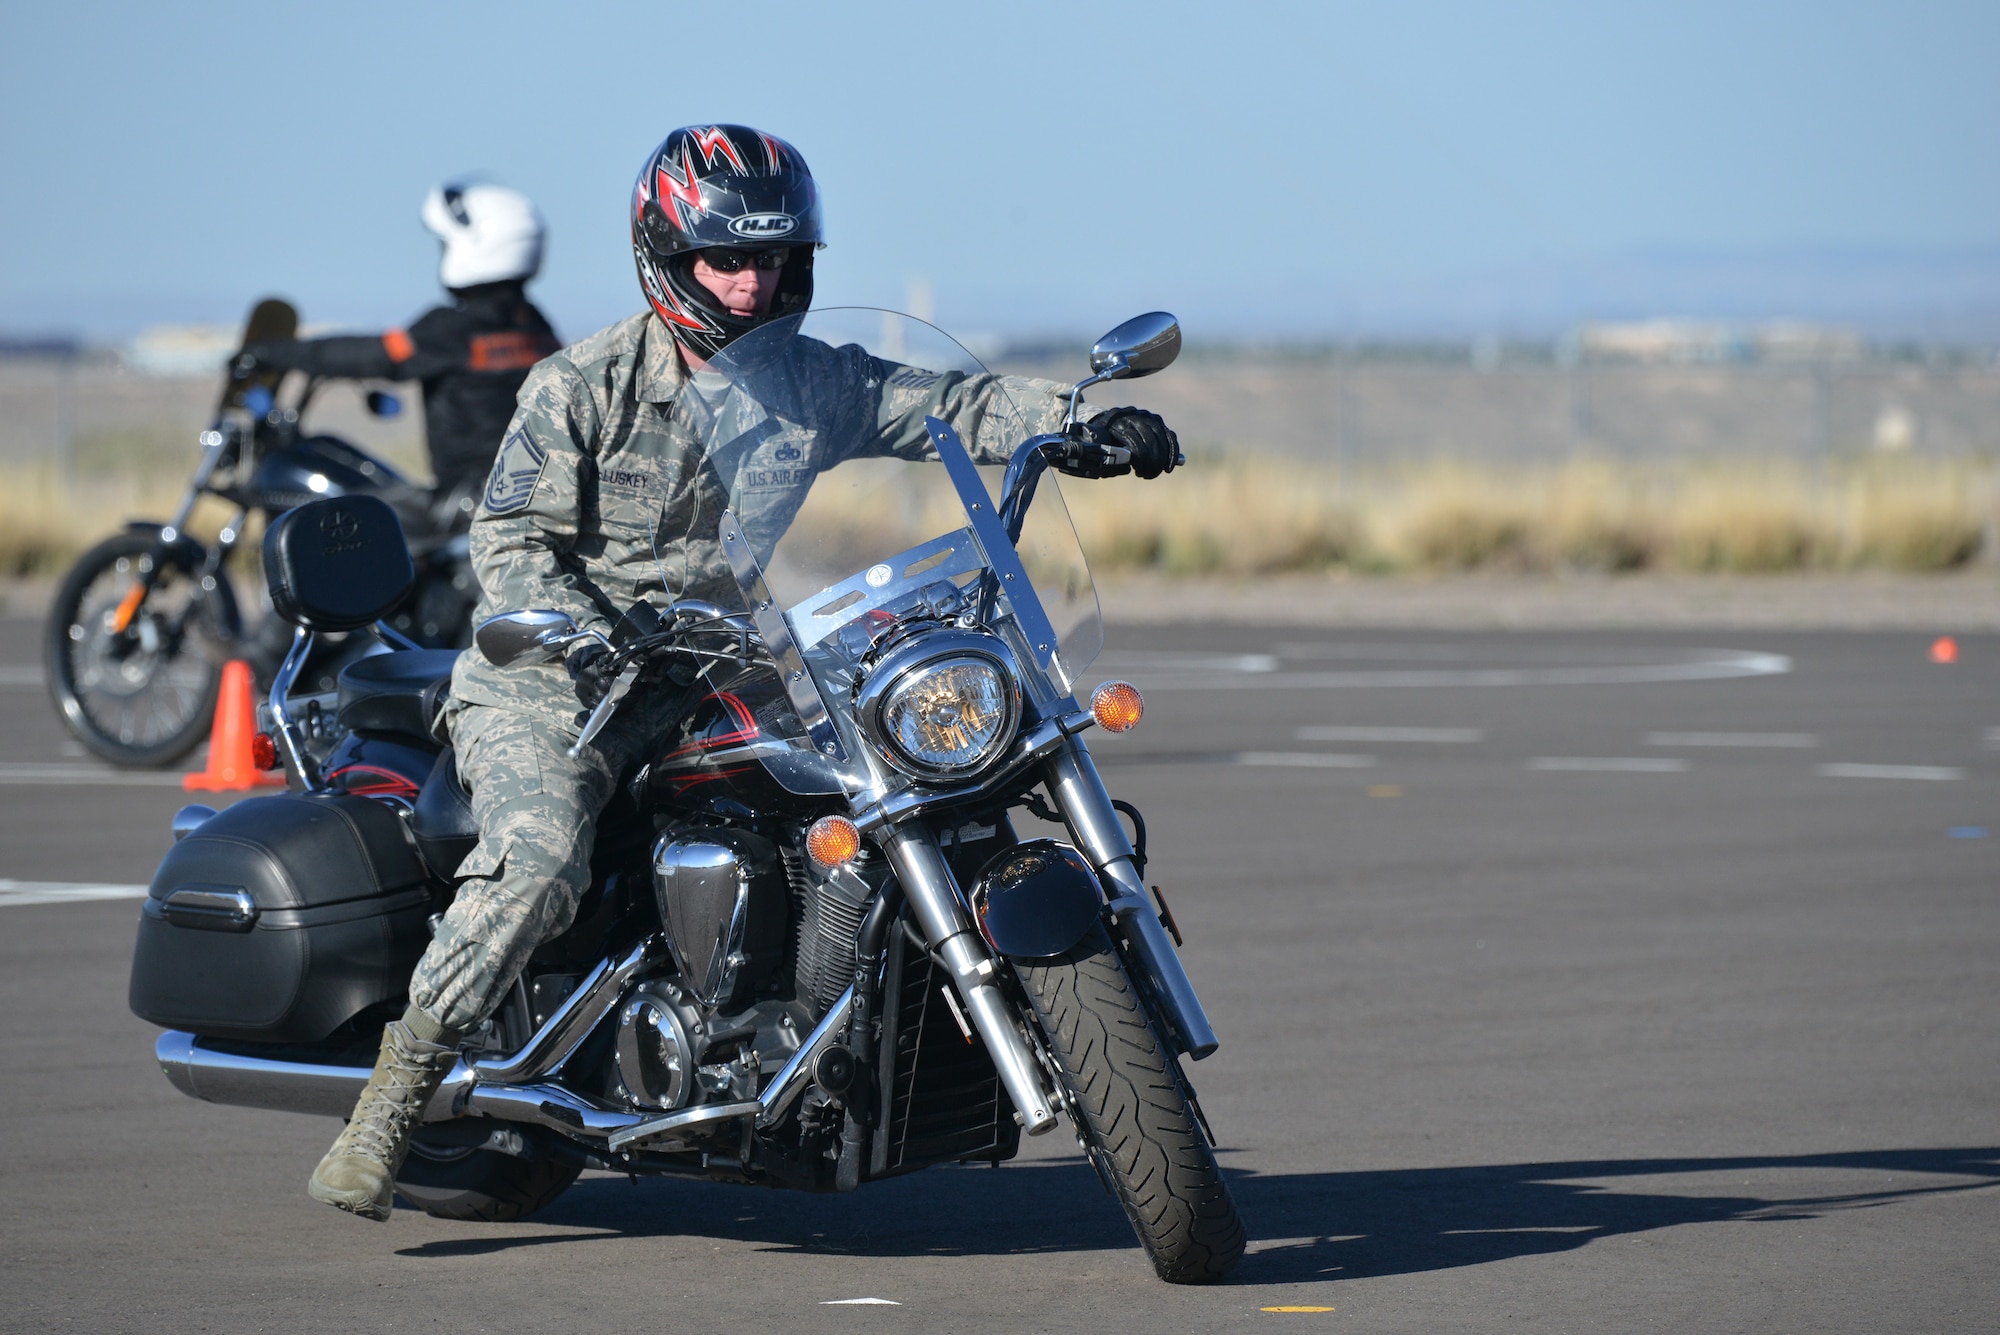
337, 564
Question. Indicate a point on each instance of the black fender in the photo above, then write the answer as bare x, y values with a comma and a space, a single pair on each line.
1035, 899
191, 554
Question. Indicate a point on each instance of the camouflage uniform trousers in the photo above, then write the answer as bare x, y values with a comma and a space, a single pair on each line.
537, 810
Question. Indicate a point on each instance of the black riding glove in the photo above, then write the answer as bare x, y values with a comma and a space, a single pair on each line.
1153, 447
1083, 454
591, 673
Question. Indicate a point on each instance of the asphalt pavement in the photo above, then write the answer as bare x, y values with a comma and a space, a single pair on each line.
1588, 981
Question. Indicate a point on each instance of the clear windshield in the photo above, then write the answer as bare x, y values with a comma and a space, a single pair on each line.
814, 442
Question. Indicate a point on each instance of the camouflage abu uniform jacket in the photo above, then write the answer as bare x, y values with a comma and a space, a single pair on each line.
597, 468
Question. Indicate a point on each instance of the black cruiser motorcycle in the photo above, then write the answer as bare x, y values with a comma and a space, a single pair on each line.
142, 624
816, 951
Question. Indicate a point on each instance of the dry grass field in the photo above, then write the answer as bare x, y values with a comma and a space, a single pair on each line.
1251, 514
1304, 469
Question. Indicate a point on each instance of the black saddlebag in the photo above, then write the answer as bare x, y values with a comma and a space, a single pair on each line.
280, 919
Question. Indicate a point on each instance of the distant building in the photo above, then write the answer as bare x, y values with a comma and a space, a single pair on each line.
182, 349
1795, 341
39, 347
196, 349
1706, 342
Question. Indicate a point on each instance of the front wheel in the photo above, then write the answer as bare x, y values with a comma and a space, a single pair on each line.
1122, 1080
143, 695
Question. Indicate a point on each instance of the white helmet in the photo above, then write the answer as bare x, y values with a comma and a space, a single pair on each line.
490, 233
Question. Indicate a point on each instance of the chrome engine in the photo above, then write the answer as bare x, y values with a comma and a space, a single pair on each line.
656, 1055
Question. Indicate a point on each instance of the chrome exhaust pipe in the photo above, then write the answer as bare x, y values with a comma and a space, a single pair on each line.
572, 1022
257, 1082
318, 1089
543, 1105
214, 1076
328, 1090
501, 1088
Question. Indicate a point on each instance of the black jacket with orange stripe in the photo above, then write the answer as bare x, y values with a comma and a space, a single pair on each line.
470, 356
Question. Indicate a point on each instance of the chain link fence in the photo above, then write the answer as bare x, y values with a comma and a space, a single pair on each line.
1374, 413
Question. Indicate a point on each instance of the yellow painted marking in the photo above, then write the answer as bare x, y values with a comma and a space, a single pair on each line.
1295, 1309
1374, 790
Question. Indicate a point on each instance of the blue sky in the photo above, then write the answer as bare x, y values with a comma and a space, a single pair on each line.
1282, 169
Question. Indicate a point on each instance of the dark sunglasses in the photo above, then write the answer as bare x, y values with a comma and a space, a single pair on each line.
722, 259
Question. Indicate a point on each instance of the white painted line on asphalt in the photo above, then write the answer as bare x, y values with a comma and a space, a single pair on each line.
1799, 740
859, 1302
1135, 660
17, 894
1609, 764
1933, 773
38, 775
1725, 663
21, 674
1440, 736
1305, 759
1993, 739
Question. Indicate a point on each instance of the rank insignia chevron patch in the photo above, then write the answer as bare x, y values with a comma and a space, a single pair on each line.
515, 473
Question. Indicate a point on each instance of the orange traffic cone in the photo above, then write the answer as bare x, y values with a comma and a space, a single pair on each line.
231, 767
1944, 649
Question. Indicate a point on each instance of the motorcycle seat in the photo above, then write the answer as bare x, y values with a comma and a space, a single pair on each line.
395, 694
441, 819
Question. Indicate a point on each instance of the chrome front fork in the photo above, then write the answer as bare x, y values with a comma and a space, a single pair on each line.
940, 909
1072, 780
933, 895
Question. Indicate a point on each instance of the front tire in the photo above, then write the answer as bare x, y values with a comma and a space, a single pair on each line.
145, 697
1121, 1078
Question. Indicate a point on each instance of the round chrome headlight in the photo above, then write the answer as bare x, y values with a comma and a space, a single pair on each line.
943, 711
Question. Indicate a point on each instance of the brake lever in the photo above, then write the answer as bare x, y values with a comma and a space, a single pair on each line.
620, 688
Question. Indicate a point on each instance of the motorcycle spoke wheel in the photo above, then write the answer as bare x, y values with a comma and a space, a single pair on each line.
1142, 1131
144, 697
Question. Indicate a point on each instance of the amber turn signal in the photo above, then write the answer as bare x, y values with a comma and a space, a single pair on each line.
1117, 706
832, 840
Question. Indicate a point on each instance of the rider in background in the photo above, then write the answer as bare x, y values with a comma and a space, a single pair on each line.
470, 354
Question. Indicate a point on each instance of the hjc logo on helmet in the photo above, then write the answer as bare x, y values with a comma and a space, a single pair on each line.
761, 225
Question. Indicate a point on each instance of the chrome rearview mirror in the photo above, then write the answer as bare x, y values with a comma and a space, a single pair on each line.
515, 635
1142, 345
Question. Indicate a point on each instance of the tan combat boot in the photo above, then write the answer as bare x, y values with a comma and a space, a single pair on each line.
358, 1174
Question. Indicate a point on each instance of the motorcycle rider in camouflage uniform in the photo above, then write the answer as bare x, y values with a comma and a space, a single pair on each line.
595, 472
